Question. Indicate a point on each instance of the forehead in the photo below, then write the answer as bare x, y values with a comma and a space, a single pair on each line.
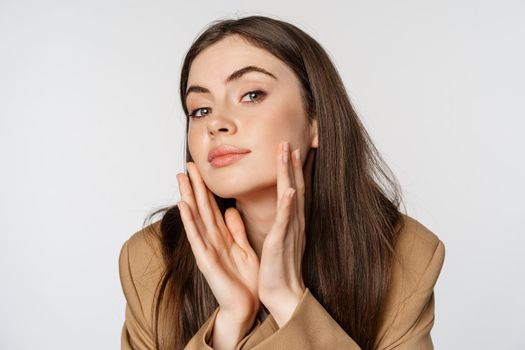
215, 63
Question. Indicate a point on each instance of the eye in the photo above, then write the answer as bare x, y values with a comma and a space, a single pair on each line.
259, 94
255, 96
193, 113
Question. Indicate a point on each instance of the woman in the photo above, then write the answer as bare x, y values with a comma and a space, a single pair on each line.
288, 234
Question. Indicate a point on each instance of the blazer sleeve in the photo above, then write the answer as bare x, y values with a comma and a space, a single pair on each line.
139, 270
202, 339
408, 326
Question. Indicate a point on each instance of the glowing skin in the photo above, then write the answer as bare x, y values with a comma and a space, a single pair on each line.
258, 122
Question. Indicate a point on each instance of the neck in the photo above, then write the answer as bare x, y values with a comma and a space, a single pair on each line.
258, 212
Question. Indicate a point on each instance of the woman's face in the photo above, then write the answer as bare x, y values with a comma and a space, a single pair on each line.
231, 113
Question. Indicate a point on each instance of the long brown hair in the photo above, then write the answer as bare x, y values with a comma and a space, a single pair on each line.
353, 216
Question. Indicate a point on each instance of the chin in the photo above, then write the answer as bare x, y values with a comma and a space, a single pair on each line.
226, 192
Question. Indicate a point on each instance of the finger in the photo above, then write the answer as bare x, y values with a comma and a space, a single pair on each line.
203, 204
283, 171
299, 185
215, 209
291, 178
282, 219
291, 175
236, 227
197, 243
218, 218
291, 169
186, 195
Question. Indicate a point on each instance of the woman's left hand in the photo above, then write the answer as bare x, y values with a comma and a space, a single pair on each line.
280, 275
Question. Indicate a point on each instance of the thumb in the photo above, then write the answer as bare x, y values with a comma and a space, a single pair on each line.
235, 225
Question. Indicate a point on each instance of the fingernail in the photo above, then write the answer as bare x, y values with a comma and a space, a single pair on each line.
297, 154
284, 155
286, 146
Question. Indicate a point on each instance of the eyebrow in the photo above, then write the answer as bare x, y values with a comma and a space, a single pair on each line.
234, 76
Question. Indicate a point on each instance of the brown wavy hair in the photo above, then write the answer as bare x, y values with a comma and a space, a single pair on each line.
353, 213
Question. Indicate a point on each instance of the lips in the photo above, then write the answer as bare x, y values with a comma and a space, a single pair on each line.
223, 150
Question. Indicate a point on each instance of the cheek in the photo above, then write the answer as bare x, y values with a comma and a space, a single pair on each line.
283, 122
191, 143
194, 145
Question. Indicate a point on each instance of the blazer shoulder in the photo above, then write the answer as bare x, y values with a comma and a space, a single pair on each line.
419, 253
408, 308
141, 268
141, 262
145, 242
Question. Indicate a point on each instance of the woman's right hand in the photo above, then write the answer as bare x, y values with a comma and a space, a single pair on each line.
221, 248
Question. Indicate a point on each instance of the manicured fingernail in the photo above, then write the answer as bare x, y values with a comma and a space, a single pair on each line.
284, 155
297, 154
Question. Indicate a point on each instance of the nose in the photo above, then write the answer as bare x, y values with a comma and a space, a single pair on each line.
221, 123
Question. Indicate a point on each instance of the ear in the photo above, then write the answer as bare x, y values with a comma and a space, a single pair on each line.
314, 134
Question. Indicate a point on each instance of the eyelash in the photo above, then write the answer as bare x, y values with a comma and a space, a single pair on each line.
261, 93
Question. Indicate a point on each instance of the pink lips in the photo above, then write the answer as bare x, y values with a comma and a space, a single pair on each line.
225, 155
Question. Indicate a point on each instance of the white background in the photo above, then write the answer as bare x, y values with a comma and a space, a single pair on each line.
91, 138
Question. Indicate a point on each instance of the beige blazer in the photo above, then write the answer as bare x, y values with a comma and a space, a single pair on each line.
406, 322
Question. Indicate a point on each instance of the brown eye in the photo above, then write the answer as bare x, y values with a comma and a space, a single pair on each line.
194, 115
256, 95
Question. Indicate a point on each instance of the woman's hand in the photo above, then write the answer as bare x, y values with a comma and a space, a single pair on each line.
221, 248
280, 278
